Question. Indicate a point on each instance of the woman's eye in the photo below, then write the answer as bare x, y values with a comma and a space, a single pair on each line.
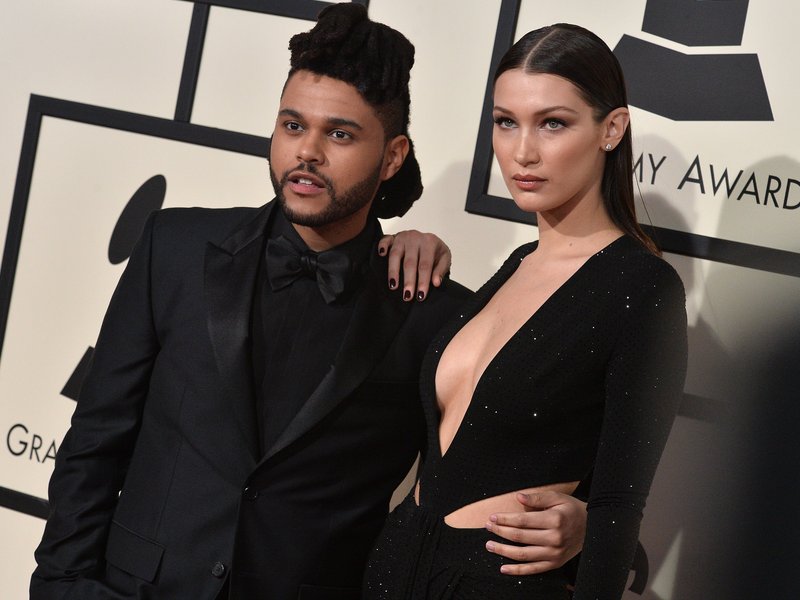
504, 122
553, 124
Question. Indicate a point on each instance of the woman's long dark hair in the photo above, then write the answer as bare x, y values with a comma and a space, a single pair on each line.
578, 55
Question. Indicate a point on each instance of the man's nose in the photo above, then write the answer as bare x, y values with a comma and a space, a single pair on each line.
310, 150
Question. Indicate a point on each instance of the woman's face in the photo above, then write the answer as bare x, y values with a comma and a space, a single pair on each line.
547, 142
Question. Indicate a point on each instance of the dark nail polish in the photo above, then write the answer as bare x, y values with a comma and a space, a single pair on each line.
381, 251
420, 295
392, 284
407, 295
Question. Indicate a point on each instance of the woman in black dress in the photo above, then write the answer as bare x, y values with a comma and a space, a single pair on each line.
565, 370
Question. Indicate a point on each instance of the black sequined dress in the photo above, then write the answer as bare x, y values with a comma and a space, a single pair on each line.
586, 390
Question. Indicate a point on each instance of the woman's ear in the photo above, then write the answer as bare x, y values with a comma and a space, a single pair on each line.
615, 124
393, 156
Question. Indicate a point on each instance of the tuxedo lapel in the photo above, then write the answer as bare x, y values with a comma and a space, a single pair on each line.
230, 274
376, 318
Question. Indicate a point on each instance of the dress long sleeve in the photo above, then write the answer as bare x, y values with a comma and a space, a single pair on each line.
586, 390
643, 387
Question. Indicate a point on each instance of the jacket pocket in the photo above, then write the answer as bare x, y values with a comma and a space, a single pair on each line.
133, 553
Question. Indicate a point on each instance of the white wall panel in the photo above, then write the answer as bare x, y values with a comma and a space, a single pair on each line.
128, 55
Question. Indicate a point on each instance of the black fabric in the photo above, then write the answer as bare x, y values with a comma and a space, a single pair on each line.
338, 271
296, 330
589, 384
132, 553
286, 263
166, 416
420, 557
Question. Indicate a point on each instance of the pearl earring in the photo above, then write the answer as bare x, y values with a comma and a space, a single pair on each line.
609, 147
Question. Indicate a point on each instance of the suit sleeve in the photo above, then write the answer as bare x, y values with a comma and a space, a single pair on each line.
92, 461
644, 384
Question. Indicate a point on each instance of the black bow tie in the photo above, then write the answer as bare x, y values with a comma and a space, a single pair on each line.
332, 269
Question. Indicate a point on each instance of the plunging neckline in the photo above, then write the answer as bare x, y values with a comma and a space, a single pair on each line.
476, 309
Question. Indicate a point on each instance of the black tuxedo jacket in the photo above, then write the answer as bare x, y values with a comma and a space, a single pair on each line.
158, 491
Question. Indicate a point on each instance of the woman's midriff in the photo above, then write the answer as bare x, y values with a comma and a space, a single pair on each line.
476, 514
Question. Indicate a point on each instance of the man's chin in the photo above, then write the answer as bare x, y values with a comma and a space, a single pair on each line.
306, 218
302, 211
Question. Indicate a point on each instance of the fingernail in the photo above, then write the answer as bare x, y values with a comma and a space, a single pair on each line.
392, 284
493, 518
490, 546
381, 250
504, 569
489, 526
407, 295
420, 295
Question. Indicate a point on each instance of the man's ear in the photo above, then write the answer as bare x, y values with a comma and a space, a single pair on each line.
615, 123
393, 156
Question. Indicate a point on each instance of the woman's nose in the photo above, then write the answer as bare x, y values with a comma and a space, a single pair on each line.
527, 151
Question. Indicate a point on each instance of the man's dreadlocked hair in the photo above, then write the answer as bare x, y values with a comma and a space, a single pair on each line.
377, 61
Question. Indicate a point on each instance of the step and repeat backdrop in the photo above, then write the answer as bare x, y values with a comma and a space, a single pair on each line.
114, 108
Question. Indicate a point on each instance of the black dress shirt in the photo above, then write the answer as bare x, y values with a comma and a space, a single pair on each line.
296, 334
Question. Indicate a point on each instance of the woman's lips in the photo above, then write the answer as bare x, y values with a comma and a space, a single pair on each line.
528, 183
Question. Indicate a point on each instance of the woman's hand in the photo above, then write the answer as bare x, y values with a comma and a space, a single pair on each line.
425, 259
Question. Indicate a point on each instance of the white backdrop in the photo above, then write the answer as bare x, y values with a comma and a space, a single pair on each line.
128, 56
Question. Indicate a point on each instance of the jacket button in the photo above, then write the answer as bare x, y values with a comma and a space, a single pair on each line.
218, 570
250, 493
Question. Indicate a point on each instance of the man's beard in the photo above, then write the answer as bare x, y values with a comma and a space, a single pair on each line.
339, 207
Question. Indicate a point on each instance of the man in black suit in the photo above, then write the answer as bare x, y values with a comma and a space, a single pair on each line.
252, 402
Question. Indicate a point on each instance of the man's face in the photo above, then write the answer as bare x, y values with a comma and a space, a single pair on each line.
328, 153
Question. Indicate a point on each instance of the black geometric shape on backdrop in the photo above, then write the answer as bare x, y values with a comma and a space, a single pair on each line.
641, 570
693, 87
41, 106
180, 129
297, 9
480, 202
72, 388
149, 197
166, 129
697, 23
190, 74
24, 503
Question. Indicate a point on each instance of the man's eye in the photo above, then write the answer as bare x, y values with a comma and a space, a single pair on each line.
293, 126
340, 135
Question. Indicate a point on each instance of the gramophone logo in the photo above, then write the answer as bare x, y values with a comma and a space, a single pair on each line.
694, 87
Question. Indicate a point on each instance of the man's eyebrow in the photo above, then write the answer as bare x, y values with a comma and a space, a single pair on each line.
340, 122
288, 112
332, 121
